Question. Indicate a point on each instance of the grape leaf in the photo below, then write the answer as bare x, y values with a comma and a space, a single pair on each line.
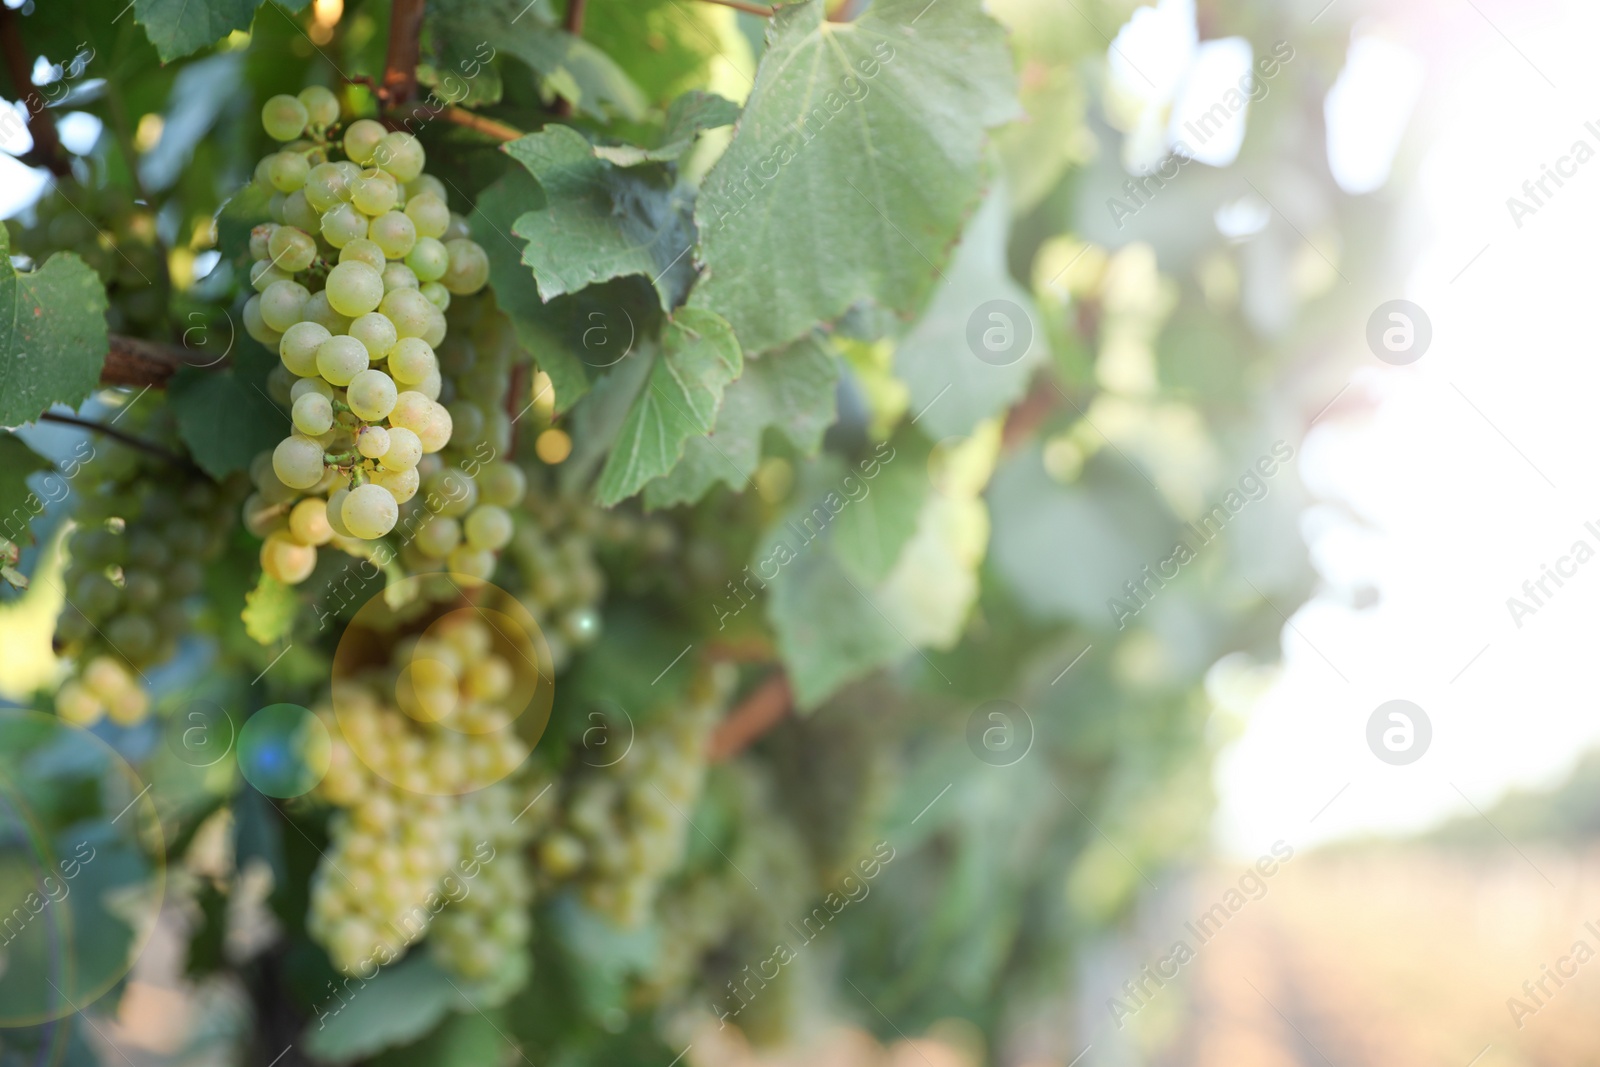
699, 356
858, 155
466, 31
668, 47
688, 115
178, 27
52, 348
399, 1004
791, 391
870, 534
952, 388
17, 461
225, 417
269, 610
601, 221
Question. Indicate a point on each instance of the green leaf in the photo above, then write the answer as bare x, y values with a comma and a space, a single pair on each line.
870, 534
791, 391
601, 221
469, 1040
269, 610
225, 417
399, 1004
699, 356
178, 27
17, 461
686, 118
571, 66
668, 47
951, 387
858, 156
54, 344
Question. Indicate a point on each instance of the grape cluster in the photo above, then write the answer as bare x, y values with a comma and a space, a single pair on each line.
116, 237
352, 281
138, 554
621, 829
421, 768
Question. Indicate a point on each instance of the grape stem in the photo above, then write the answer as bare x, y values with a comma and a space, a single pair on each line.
19, 68
133, 361
756, 715
148, 447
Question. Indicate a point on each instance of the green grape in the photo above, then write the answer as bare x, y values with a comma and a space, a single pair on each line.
468, 420
292, 249
411, 360
429, 213
472, 562
310, 384
283, 304
361, 139
256, 326
429, 259
458, 228
335, 512
96, 596
132, 636
262, 174
372, 441
326, 186
370, 511
141, 589
431, 386
343, 224
401, 155
287, 560
308, 522
298, 349
399, 276
340, 358
411, 410
284, 118
260, 240
458, 493
371, 397
402, 485
354, 289
362, 250
468, 269
298, 212
287, 172
275, 207
394, 233
409, 310
375, 192
436, 432
405, 449
437, 295
488, 527
376, 332
438, 537
322, 107
297, 461
263, 274
279, 382
313, 415
502, 483
319, 311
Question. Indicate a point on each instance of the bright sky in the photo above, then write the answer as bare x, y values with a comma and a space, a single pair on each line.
1474, 468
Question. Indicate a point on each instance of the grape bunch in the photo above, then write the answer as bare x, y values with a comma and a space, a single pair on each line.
621, 829
138, 553
352, 279
422, 767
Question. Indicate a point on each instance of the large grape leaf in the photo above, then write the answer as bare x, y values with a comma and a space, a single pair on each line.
699, 356
687, 116
871, 533
858, 155
791, 391
952, 388
468, 32
178, 27
399, 1004
225, 417
52, 334
601, 221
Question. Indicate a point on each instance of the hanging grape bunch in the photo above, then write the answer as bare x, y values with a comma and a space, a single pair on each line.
352, 280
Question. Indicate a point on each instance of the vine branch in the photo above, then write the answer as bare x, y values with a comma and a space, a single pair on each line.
754, 716
133, 361
149, 448
405, 52
46, 143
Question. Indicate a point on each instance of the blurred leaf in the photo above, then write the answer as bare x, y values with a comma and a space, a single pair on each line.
201, 92
699, 356
464, 1040
269, 610
17, 462
857, 157
224, 417
397, 1005
872, 531
178, 27
52, 350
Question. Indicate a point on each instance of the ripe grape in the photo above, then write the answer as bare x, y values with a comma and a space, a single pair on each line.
468, 266
264, 273
298, 348
361, 139
322, 107
376, 332
405, 449
393, 232
437, 295
287, 172
343, 224
369, 511
297, 461
286, 559
308, 522
411, 360
354, 289
399, 276
429, 259
372, 395
283, 304
298, 212
375, 192
401, 484
364, 251
292, 249
401, 155
429, 213
488, 527
313, 415
255, 326
340, 358
409, 310
326, 185
284, 117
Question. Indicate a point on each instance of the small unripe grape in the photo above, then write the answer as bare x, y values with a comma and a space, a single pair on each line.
393, 232
411, 359
263, 273
370, 511
361, 138
399, 276
298, 212
409, 310
488, 527
405, 449
308, 522
255, 326
375, 192
283, 304
372, 441
287, 172
430, 214
287, 560
429, 259
402, 484
322, 107
401, 155
372, 395
412, 410
284, 118
340, 358
292, 249
502, 483
354, 288
319, 311
437, 295
468, 266
342, 225
376, 332
261, 239
335, 512
313, 414
311, 383
362, 250
438, 537
437, 431
297, 461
